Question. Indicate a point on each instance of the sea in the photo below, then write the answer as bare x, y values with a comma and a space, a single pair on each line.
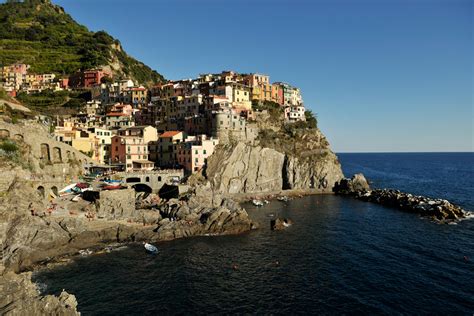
341, 256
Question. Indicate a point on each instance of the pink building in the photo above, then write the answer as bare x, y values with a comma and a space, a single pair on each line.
192, 154
64, 83
93, 77
277, 93
131, 151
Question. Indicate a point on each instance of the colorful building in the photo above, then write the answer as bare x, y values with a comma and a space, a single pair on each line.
139, 96
166, 155
193, 152
128, 150
93, 77
294, 113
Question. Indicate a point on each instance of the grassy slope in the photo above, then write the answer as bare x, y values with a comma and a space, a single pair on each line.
41, 34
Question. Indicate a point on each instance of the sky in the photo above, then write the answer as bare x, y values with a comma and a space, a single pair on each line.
381, 75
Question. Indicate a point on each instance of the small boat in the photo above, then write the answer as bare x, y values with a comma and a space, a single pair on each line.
112, 181
113, 187
257, 202
150, 248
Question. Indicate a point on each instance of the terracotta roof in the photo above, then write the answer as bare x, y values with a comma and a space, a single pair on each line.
170, 133
116, 114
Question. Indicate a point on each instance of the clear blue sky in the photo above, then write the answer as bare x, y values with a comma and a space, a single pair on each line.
381, 75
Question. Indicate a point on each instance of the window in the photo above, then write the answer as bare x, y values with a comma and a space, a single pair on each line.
196, 160
204, 151
159, 179
196, 152
147, 179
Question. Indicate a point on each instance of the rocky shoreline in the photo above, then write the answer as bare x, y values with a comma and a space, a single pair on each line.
439, 210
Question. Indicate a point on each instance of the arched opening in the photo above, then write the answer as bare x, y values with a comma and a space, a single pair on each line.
4, 133
40, 191
57, 158
54, 190
45, 152
159, 179
68, 155
147, 179
133, 180
18, 137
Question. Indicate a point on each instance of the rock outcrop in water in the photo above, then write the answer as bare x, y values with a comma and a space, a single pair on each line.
438, 209
280, 223
19, 296
357, 184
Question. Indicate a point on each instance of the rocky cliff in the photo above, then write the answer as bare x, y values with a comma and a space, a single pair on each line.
282, 158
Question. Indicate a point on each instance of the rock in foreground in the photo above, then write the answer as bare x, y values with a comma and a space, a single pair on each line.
280, 223
19, 296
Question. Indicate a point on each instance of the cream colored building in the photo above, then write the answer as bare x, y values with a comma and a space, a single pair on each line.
193, 152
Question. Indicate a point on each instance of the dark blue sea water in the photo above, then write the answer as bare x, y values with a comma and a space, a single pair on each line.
342, 256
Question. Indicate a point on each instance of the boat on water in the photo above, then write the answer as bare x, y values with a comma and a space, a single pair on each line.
150, 248
257, 203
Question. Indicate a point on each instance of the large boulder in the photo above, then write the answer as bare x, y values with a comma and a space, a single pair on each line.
355, 186
280, 223
20, 297
116, 204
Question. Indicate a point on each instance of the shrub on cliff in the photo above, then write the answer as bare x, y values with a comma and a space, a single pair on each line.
274, 109
8, 147
311, 119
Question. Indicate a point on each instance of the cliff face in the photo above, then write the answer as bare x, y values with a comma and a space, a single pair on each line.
246, 169
318, 172
280, 160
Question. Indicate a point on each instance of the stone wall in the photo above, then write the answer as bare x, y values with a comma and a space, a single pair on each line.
47, 151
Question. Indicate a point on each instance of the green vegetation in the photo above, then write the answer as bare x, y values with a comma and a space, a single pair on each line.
311, 119
12, 152
8, 146
274, 109
54, 99
41, 34
3, 95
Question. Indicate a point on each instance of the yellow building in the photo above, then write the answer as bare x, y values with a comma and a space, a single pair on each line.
139, 96
239, 95
261, 87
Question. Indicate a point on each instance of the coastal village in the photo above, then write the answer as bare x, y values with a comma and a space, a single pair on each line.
174, 125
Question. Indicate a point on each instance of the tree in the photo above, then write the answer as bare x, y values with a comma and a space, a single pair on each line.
311, 119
